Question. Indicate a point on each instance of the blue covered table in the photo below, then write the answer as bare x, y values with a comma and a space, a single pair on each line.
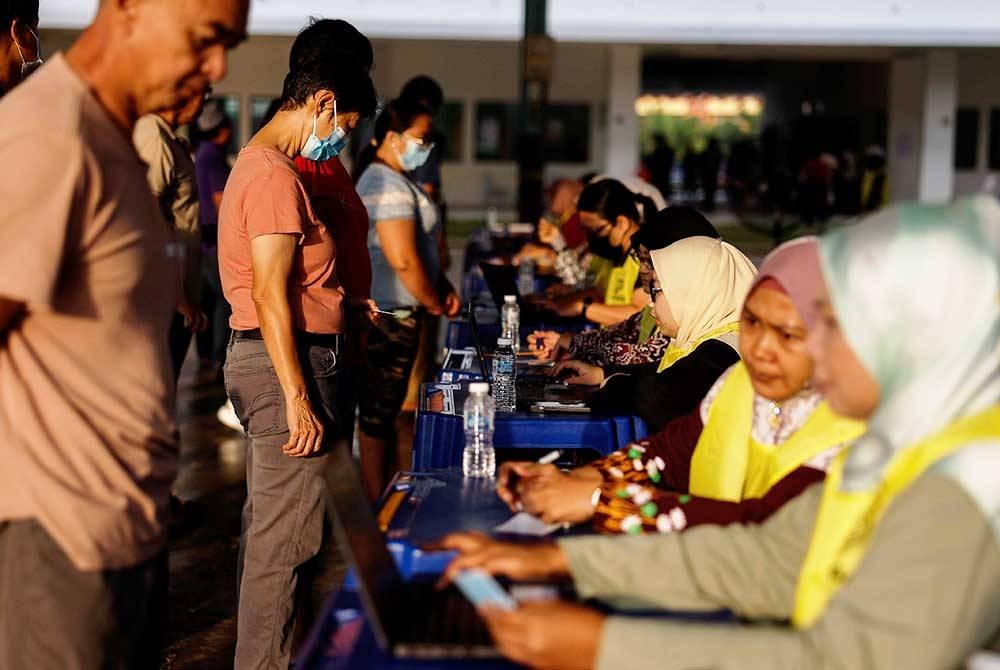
436, 503
439, 437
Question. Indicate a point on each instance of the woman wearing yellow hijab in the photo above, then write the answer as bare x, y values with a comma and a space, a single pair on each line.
894, 562
697, 295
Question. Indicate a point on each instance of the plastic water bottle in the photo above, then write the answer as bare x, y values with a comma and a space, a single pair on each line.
510, 321
526, 277
478, 457
504, 392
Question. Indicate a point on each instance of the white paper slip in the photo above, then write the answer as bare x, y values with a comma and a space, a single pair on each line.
526, 524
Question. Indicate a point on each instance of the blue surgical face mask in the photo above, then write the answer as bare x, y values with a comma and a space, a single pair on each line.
323, 150
414, 155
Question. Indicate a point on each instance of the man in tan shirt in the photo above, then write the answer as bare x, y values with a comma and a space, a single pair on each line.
172, 180
87, 291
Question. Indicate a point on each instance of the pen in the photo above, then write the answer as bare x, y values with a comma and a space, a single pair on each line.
550, 457
547, 459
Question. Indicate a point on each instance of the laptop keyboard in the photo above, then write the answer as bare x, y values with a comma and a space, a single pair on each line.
441, 624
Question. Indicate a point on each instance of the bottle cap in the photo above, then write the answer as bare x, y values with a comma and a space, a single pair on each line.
505, 342
479, 387
510, 298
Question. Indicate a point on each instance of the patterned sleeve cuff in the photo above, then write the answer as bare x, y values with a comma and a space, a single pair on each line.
633, 509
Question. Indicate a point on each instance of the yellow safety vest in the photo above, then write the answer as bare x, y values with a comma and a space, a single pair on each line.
616, 281
647, 325
728, 464
847, 519
674, 353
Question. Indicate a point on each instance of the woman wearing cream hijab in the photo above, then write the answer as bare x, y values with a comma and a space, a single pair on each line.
696, 295
893, 562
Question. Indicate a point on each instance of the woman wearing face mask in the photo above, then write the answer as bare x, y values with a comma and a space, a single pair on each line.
337, 203
894, 561
408, 278
760, 437
697, 295
278, 266
637, 340
610, 215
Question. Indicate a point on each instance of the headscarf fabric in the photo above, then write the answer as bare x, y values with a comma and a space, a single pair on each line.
704, 281
916, 290
927, 327
794, 266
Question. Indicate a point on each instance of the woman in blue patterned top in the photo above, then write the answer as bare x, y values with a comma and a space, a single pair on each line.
407, 275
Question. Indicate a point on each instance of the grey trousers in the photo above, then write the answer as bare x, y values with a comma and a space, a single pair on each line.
55, 617
283, 515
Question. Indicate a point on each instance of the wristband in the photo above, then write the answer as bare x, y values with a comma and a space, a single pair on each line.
587, 302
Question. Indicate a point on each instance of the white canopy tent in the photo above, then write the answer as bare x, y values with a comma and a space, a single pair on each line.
925, 23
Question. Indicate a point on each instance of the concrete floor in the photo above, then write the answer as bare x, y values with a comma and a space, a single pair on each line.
202, 633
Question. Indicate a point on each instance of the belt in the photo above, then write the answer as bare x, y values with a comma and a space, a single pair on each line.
331, 340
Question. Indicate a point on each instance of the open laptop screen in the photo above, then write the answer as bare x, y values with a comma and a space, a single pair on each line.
358, 536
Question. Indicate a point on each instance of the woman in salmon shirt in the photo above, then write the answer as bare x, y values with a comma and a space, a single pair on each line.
278, 262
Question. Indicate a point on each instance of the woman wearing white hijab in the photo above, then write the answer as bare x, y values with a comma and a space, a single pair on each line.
697, 295
894, 562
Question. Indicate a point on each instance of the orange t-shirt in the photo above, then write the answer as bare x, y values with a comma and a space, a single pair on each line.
87, 434
265, 196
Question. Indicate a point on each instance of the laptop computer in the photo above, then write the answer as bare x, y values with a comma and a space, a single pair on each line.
501, 281
409, 619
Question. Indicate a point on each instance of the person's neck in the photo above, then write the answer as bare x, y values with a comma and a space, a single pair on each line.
10, 67
389, 157
99, 67
627, 238
283, 133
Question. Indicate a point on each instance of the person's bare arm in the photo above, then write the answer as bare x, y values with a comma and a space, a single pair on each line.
398, 240
271, 261
608, 315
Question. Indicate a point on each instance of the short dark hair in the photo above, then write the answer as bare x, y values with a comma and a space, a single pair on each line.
423, 88
25, 11
335, 37
317, 72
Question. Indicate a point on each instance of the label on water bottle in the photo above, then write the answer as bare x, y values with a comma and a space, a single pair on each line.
503, 365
